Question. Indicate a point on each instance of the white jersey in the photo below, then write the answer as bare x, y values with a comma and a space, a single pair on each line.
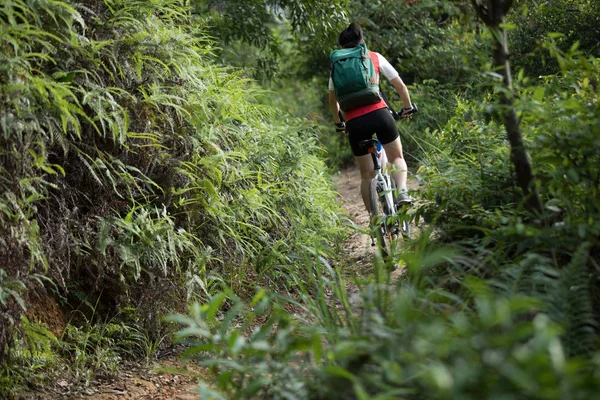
385, 68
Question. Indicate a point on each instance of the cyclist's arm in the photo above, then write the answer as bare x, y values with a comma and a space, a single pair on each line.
402, 91
392, 75
334, 107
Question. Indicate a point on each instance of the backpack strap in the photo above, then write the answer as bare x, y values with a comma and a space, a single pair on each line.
375, 60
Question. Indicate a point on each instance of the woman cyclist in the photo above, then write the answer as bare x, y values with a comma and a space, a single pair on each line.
365, 120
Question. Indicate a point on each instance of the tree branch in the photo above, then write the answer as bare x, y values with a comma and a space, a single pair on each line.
493, 17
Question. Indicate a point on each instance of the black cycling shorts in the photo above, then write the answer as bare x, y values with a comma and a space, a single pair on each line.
379, 122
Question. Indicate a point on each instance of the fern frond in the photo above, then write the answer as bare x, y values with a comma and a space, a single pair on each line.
571, 304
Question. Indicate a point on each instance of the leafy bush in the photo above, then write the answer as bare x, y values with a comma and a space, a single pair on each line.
249, 32
138, 172
423, 39
33, 359
569, 21
82, 352
409, 340
558, 120
472, 199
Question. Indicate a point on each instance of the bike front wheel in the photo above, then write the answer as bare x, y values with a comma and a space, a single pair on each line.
377, 228
404, 223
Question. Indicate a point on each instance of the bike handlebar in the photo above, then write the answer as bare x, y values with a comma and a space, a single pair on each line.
405, 113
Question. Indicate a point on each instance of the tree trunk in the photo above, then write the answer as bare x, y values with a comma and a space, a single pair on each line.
492, 12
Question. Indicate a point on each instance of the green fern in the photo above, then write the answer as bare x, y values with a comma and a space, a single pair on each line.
571, 304
11, 289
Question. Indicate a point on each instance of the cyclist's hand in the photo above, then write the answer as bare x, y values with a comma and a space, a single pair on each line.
406, 113
340, 127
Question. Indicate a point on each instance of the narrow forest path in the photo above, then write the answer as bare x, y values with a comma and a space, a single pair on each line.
148, 383
358, 246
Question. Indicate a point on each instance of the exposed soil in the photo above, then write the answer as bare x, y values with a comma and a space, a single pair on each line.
44, 310
150, 383
168, 379
358, 246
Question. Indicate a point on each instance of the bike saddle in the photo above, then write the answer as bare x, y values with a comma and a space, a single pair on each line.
365, 144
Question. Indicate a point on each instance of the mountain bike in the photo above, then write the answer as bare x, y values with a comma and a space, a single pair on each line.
386, 222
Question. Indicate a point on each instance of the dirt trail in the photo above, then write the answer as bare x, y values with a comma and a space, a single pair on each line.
147, 384
358, 245
360, 251
134, 382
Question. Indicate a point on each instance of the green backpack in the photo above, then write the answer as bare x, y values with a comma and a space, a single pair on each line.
354, 77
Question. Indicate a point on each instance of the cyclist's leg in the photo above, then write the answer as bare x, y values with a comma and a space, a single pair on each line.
395, 157
387, 133
359, 129
367, 173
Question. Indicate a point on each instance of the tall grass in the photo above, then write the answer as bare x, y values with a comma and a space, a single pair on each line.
412, 339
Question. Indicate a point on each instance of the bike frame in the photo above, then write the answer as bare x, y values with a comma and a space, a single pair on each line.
383, 182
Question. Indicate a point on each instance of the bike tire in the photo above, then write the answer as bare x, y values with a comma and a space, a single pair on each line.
389, 209
376, 227
405, 227
404, 223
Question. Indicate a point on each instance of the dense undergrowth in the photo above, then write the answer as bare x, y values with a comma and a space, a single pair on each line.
137, 174
495, 302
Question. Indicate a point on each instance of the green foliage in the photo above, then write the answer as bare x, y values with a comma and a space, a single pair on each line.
136, 175
437, 103
467, 169
138, 172
514, 313
575, 309
248, 30
82, 352
261, 349
32, 359
570, 22
423, 39
562, 115
267, 364
148, 242
11, 289
508, 310
472, 199
558, 119
93, 350
410, 340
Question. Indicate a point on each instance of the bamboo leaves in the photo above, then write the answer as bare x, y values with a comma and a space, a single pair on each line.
131, 161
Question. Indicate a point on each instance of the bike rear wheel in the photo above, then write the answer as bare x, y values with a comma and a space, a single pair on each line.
377, 228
